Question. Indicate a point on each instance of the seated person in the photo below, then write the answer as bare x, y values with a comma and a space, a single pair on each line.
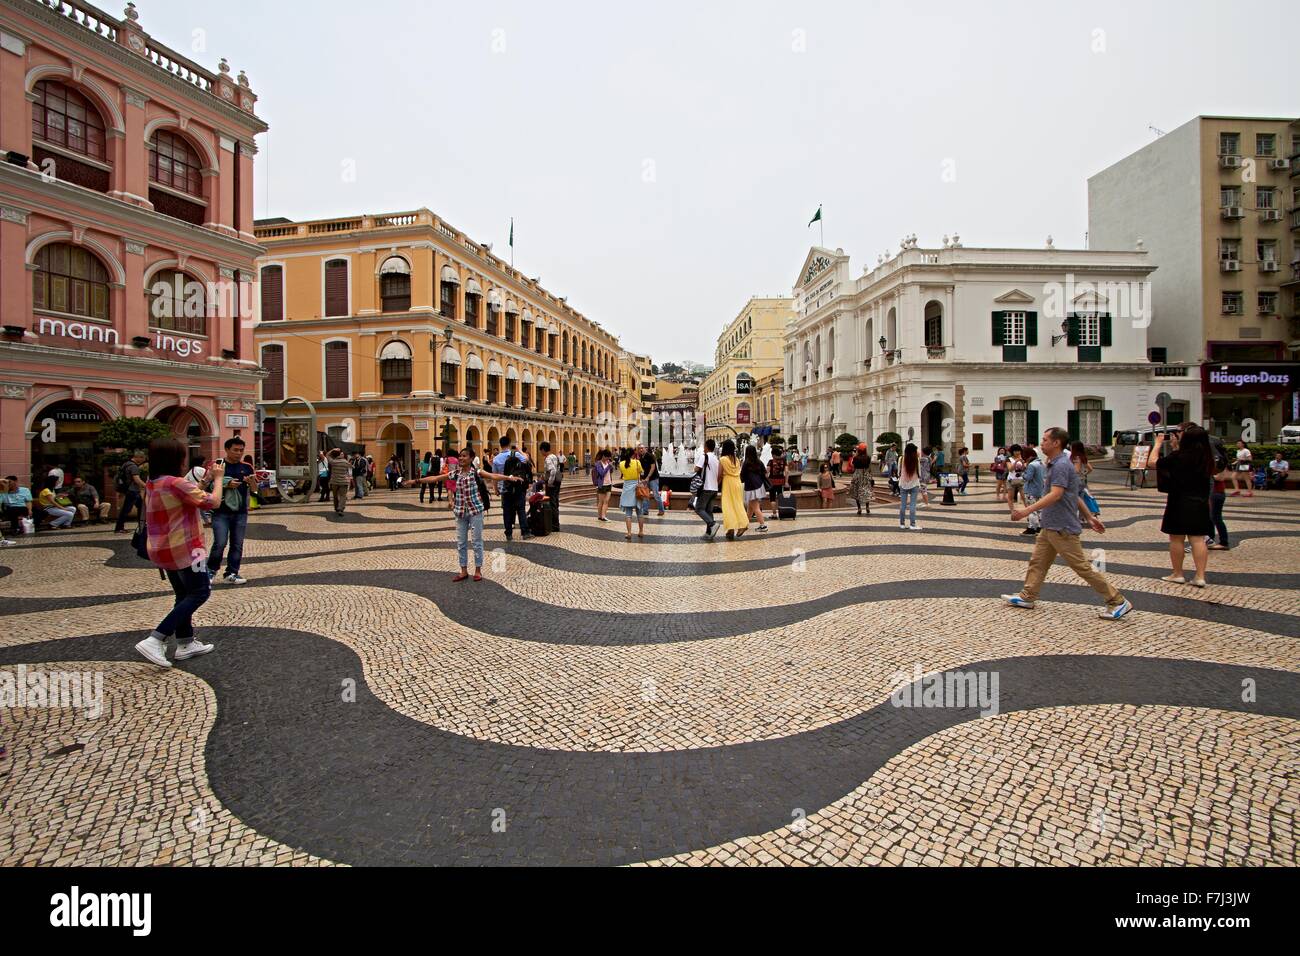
59, 515
1279, 469
17, 502
85, 498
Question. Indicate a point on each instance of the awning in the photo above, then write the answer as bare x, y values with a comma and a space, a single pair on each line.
494, 368
449, 356
474, 362
528, 315
473, 288
511, 374
528, 377
449, 275
554, 384
541, 323
395, 265
511, 307
395, 350
494, 300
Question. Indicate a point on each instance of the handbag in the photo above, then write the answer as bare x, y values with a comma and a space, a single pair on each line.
643, 492
697, 482
1090, 502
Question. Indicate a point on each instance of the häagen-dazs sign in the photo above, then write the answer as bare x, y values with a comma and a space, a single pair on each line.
1264, 377
95, 332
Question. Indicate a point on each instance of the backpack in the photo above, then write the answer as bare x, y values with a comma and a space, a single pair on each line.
776, 467
123, 481
518, 466
554, 469
483, 494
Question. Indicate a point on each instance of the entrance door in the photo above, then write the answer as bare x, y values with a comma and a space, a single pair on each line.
73, 444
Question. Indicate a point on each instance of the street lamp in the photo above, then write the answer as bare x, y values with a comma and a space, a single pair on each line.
882, 342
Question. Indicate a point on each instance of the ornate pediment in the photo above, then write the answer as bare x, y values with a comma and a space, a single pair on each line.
1015, 297
818, 261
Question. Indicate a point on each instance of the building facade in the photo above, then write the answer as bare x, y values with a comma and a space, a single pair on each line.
767, 405
1217, 204
749, 348
974, 347
406, 335
126, 245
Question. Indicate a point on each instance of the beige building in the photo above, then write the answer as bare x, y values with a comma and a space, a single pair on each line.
1216, 203
750, 348
767, 405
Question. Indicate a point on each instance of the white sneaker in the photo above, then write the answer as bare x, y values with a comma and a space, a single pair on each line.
901, 526
154, 650
916, 527
194, 648
234, 579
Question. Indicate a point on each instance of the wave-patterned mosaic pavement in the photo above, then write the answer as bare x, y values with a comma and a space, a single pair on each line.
663, 701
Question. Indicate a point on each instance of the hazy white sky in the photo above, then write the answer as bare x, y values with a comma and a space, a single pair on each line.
661, 160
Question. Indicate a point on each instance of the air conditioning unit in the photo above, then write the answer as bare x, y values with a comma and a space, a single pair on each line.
1231, 310
1266, 310
1279, 164
1230, 162
1270, 215
1230, 265
1268, 266
1233, 212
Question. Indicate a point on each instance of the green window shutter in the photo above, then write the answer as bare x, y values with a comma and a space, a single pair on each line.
1031, 425
999, 429
1107, 426
998, 335
1105, 331
1031, 328
1072, 424
1072, 331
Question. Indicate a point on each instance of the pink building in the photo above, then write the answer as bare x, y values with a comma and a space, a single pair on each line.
125, 170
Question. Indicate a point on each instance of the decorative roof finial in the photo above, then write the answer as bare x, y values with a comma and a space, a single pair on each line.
130, 13
224, 67
1049, 243
243, 79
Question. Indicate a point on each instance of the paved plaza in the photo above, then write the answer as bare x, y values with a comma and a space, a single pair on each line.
665, 701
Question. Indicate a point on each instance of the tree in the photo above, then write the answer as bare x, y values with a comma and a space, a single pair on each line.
884, 441
846, 443
125, 435
671, 368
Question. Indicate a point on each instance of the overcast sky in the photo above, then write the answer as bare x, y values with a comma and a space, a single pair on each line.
661, 160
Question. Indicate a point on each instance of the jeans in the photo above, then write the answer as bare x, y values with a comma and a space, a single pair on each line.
1035, 518
360, 482
227, 526
514, 504
423, 489
130, 500
704, 506
1216, 512
907, 499
658, 502
60, 517
965, 480
463, 526
192, 589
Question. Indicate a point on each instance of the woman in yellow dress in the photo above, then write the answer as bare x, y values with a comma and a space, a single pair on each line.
734, 518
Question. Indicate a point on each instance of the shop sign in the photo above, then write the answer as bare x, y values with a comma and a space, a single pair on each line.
236, 421
1258, 377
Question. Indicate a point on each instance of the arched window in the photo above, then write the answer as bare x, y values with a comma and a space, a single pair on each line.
273, 363
395, 368
395, 285
933, 325
272, 293
64, 117
174, 163
177, 303
70, 279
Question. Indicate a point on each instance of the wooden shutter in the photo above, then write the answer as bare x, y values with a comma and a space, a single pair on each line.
999, 335
1072, 330
1031, 328
336, 370
1072, 424
273, 362
336, 287
1105, 331
999, 427
272, 294
1107, 426
1031, 426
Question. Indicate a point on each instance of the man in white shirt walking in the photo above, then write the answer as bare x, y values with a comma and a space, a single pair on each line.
707, 465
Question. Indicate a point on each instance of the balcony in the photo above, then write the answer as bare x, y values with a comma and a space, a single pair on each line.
1172, 371
935, 351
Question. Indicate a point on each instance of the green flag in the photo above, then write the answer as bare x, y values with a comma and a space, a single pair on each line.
817, 217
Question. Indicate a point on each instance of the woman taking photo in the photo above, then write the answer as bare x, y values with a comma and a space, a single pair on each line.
175, 546
629, 468
999, 469
860, 490
468, 503
753, 477
1187, 477
733, 493
909, 486
602, 476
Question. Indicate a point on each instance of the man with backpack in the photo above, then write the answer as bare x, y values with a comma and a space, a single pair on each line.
131, 487
513, 463
705, 487
360, 468
553, 474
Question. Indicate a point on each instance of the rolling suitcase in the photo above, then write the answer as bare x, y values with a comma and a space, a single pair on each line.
785, 507
541, 522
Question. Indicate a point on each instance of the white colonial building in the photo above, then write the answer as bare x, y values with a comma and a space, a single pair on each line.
977, 347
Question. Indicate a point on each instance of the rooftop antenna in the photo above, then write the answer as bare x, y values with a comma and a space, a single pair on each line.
1158, 132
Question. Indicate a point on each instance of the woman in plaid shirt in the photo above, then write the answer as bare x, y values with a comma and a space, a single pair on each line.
172, 507
468, 507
